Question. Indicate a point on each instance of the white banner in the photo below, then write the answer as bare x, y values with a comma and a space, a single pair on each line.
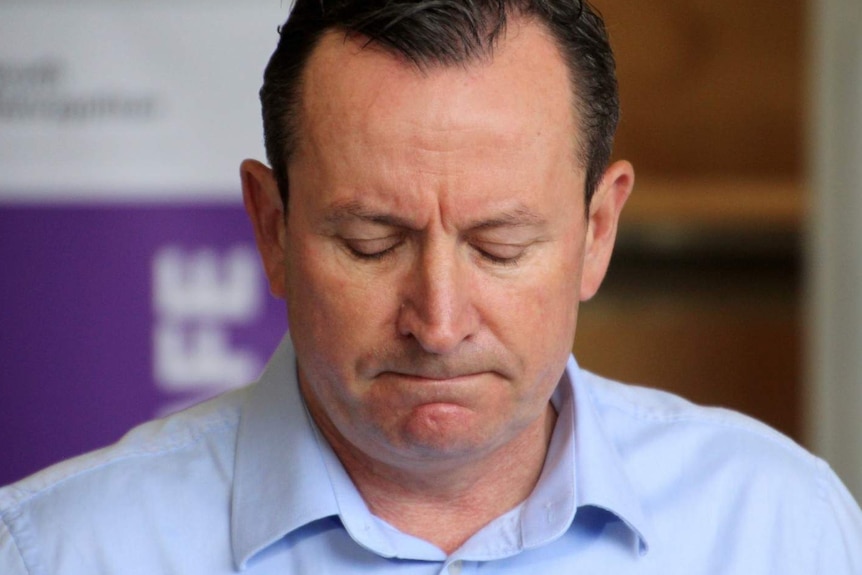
150, 100
130, 285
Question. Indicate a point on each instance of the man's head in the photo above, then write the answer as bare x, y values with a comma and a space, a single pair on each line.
433, 33
435, 250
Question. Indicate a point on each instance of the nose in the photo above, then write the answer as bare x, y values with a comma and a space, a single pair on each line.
437, 304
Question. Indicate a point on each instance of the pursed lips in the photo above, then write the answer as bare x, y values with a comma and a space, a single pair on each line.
414, 388
432, 370
433, 376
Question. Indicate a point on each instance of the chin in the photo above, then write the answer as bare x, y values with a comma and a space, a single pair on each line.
445, 431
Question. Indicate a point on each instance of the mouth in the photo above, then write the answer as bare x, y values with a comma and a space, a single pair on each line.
433, 376
431, 389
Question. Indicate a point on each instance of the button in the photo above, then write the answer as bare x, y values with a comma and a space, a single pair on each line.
455, 567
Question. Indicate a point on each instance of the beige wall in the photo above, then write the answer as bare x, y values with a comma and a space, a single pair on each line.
835, 255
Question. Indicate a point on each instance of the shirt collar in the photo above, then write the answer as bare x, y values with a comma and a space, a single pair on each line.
278, 471
602, 480
583, 467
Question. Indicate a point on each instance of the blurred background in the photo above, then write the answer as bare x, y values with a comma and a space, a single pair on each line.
129, 286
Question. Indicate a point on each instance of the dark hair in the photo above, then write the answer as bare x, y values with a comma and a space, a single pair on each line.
444, 32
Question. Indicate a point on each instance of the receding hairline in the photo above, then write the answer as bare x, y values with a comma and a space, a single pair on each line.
366, 45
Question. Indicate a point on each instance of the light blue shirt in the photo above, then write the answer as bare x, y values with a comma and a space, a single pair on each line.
636, 482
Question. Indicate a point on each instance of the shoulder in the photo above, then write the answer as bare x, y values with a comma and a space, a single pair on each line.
716, 468
177, 435
630, 411
157, 472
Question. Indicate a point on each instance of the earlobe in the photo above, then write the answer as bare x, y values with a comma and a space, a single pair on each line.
263, 204
605, 208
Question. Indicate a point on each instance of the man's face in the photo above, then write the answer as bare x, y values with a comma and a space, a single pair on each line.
435, 247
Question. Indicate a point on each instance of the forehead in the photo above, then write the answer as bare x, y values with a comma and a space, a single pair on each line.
356, 90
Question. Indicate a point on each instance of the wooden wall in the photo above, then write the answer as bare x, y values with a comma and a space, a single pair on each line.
704, 294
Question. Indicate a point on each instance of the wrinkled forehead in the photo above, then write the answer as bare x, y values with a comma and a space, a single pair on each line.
522, 90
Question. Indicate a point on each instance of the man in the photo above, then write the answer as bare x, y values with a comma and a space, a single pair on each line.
439, 202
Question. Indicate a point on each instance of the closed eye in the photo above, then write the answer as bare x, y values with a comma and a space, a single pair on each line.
500, 253
374, 248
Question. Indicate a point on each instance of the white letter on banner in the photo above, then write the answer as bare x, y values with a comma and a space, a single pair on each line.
205, 285
196, 296
199, 356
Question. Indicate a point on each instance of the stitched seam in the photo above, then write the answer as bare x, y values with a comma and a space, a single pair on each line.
194, 437
16, 514
707, 416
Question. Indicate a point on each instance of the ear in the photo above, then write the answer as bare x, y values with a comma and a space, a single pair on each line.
265, 210
607, 203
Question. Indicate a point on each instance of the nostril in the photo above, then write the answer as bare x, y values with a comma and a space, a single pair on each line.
438, 331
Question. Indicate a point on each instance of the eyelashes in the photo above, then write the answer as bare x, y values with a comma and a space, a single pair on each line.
501, 260
378, 249
373, 249
371, 256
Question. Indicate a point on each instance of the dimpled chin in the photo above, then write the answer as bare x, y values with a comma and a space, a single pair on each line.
438, 424
443, 430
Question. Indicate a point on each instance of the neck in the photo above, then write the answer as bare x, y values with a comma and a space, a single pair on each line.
446, 505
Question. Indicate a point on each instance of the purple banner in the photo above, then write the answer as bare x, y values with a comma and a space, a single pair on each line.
111, 315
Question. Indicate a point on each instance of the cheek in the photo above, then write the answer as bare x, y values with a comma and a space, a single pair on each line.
562, 295
549, 332
536, 321
546, 303
333, 313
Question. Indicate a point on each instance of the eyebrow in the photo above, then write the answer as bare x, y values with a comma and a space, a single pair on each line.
355, 209
519, 216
